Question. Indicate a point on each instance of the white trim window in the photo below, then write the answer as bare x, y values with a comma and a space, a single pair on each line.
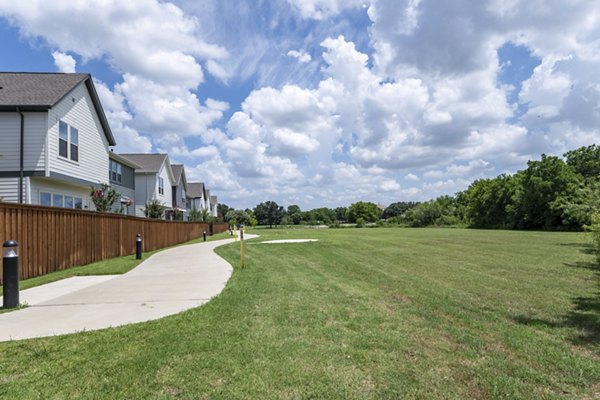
116, 172
68, 141
161, 185
60, 200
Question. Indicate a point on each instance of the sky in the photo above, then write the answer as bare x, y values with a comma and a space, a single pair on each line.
323, 103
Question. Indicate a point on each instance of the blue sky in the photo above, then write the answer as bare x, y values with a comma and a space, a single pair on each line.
327, 102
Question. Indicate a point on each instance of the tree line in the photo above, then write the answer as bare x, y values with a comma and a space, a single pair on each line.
552, 193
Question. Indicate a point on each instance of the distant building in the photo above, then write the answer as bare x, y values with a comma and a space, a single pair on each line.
154, 180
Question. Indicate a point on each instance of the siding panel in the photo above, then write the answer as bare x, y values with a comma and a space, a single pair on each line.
77, 110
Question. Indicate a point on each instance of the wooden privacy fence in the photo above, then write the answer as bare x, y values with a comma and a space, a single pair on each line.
52, 239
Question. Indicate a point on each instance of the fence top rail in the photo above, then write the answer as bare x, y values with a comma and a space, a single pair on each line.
59, 210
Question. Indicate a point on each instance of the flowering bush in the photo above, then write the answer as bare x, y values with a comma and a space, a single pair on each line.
104, 197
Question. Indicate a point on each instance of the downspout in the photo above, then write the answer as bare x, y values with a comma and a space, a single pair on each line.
21, 156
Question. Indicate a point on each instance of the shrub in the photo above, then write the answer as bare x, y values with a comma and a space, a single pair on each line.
154, 209
104, 197
595, 229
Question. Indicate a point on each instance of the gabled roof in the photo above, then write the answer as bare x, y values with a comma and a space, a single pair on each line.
114, 156
195, 190
30, 91
179, 173
213, 200
150, 163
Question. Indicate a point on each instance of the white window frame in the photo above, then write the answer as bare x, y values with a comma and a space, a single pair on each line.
75, 200
71, 141
161, 185
116, 169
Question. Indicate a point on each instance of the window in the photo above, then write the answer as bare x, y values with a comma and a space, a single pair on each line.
74, 144
59, 200
63, 139
45, 199
161, 185
116, 172
68, 141
68, 202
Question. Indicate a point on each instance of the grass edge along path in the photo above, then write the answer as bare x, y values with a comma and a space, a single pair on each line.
110, 266
361, 314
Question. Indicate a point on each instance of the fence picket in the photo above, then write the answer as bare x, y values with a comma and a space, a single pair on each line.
51, 239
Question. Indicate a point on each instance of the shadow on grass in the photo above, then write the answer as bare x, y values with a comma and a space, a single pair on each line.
585, 248
585, 315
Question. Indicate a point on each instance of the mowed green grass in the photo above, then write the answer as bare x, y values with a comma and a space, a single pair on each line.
361, 314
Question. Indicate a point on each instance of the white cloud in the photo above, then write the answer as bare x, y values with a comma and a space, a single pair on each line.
64, 62
322, 9
408, 107
301, 56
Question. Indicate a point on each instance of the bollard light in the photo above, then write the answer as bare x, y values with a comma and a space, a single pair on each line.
11, 249
204, 236
10, 274
138, 246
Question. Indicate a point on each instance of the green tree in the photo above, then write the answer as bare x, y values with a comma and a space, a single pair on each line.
154, 209
322, 215
269, 213
397, 209
104, 197
542, 183
222, 209
585, 161
369, 212
295, 214
490, 203
341, 214
195, 214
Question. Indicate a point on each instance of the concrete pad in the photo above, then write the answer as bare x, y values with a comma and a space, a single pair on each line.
288, 241
167, 283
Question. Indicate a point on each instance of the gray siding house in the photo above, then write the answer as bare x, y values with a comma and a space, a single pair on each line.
153, 181
122, 179
55, 139
196, 196
179, 191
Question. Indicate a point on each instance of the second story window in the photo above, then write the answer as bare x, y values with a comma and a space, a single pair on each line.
161, 185
116, 172
68, 141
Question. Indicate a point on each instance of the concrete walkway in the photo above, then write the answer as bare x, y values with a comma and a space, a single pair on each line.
167, 283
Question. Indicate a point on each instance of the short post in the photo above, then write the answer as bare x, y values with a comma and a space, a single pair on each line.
138, 246
242, 246
204, 236
10, 274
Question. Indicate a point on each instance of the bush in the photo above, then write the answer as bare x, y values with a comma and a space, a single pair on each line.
360, 222
595, 229
154, 209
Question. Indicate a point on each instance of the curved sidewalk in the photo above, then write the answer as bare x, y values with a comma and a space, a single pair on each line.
167, 283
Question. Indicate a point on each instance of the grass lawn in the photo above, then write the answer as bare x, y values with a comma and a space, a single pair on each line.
361, 314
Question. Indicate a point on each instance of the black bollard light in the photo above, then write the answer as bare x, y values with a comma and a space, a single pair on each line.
138, 246
204, 236
10, 274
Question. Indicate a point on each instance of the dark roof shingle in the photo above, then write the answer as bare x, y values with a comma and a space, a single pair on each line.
195, 190
36, 89
149, 163
30, 91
